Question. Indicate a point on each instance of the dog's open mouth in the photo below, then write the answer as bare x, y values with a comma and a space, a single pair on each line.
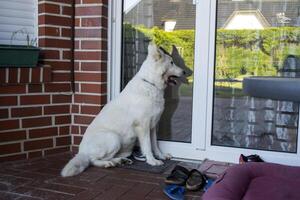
172, 80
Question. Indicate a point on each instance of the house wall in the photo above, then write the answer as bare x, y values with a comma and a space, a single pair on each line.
35, 110
91, 19
46, 109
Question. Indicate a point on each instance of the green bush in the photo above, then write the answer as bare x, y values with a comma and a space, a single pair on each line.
182, 39
239, 53
254, 52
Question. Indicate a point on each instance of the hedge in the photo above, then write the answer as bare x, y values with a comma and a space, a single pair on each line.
239, 52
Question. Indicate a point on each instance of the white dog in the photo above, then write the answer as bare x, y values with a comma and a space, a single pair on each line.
110, 138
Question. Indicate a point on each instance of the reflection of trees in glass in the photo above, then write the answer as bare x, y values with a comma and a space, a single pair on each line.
239, 52
233, 62
183, 39
255, 52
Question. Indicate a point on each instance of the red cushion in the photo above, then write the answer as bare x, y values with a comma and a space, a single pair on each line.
257, 181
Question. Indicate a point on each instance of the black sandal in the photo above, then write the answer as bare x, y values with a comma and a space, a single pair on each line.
195, 181
178, 176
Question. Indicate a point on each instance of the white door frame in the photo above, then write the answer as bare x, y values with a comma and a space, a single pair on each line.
200, 147
178, 149
195, 149
114, 48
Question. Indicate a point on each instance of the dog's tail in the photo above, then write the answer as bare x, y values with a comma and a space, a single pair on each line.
76, 165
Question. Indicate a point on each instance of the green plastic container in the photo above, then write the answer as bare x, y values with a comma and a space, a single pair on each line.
18, 56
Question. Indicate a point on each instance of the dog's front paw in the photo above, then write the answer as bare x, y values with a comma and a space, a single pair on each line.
164, 156
168, 156
155, 162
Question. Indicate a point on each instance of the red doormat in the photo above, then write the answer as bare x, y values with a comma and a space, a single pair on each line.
213, 169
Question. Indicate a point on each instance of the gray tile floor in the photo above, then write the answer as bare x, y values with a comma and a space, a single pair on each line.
39, 179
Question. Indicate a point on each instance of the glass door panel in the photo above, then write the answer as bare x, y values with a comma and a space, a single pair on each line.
167, 23
255, 38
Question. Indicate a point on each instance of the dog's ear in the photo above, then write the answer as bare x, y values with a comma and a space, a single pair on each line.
154, 51
163, 51
174, 51
178, 60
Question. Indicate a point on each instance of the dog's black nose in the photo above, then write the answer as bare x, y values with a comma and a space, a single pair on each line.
184, 72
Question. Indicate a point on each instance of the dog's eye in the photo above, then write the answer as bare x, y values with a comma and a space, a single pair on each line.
172, 63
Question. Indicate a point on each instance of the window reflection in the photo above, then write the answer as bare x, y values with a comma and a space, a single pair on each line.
167, 23
255, 38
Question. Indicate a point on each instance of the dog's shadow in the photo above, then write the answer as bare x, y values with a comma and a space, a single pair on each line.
172, 98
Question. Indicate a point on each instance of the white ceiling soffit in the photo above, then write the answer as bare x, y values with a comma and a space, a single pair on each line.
250, 19
128, 5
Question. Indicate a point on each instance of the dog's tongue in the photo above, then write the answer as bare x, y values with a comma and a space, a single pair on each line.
183, 79
172, 80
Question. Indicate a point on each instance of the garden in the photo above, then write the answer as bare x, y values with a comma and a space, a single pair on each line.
239, 53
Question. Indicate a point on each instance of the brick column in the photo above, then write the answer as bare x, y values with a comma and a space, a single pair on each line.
90, 55
55, 37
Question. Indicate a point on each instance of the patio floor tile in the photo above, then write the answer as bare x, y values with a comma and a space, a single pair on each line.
39, 179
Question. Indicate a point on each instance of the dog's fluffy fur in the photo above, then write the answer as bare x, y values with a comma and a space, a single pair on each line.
110, 138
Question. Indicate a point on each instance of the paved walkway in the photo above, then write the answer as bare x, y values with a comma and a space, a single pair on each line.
39, 179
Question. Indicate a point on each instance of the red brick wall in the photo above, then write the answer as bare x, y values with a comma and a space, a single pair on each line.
90, 64
35, 103
40, 114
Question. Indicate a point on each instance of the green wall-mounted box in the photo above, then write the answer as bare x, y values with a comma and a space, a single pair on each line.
18, 56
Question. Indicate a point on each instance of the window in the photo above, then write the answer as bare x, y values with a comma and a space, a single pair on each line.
167, 23
18, 22
222, 121
170, 26
253, 42
246, 20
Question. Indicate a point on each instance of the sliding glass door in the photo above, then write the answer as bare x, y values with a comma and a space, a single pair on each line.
167, 23
254, 38
222, 42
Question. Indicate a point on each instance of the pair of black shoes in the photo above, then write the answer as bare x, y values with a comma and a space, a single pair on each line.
250, 158
192, 180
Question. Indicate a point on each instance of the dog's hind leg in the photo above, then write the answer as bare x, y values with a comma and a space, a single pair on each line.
103, 163
104, 152
112, 162
121, 160
106, 162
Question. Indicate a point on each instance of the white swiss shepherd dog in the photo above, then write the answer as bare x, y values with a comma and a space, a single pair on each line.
134, 114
